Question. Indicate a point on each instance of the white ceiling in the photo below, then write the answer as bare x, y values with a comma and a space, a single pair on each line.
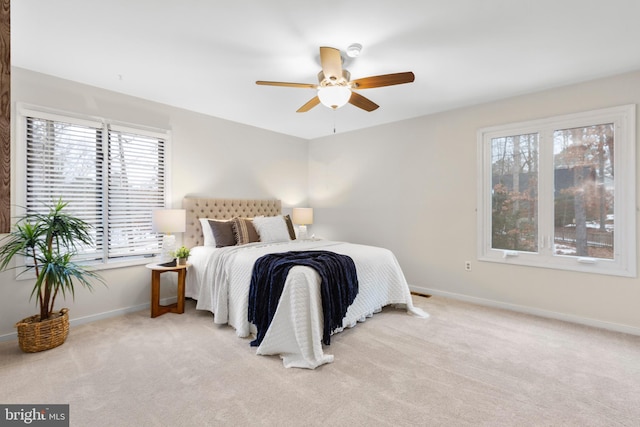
205, 55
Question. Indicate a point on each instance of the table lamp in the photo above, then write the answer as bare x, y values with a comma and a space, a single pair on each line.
169, 221
302, 217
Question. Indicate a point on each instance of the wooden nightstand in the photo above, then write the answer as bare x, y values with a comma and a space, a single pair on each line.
156, 271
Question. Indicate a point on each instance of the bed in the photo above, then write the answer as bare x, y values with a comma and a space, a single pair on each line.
219, 279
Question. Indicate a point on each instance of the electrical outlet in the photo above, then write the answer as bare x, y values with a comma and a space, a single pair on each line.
467, 266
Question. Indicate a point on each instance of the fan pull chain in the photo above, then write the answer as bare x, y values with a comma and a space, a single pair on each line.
334, 121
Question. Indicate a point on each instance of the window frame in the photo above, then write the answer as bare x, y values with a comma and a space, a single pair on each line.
624, 261
25, 110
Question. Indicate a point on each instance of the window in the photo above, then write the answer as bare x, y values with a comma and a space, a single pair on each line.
112, 176
560, 192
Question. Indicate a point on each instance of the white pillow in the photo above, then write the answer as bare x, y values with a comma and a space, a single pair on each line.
271, 228
209, 240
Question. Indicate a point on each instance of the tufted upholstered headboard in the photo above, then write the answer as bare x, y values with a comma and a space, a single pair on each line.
222, 209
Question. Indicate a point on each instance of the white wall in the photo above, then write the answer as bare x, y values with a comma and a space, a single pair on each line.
411, 187
210, 157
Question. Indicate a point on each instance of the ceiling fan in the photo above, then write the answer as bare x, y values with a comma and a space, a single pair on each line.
335, 88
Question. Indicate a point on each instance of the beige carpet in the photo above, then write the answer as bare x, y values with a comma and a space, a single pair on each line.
465, 366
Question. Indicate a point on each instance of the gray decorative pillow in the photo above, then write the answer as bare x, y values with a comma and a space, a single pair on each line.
222, 232
244, 231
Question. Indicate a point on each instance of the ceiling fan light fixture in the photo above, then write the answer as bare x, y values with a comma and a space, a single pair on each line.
334, 88
335, 96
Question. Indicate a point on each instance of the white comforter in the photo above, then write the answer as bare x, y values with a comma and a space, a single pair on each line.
220, 279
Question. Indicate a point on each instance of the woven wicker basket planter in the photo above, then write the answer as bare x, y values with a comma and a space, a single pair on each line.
34, 336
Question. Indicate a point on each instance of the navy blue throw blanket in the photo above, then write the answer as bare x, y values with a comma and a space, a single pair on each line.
338, 287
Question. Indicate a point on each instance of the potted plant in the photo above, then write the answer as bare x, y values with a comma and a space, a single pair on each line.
181, 255
48, 242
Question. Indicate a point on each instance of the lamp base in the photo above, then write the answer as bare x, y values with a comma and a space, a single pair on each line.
302, 232
168, 247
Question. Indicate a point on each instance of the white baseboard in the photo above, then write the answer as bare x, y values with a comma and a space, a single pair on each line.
617, 327
427, 291
100, 316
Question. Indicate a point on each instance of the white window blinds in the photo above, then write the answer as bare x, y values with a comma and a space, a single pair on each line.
135, 187
111, 176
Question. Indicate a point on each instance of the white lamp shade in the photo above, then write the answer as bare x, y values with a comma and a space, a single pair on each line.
334, 96
169, 220
302, 216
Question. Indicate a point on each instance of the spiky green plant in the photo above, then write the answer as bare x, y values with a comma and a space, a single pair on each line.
48, 243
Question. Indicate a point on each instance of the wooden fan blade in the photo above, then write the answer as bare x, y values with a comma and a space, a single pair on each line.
309, 105
362, 102
383, 80
331, 63
303, 85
